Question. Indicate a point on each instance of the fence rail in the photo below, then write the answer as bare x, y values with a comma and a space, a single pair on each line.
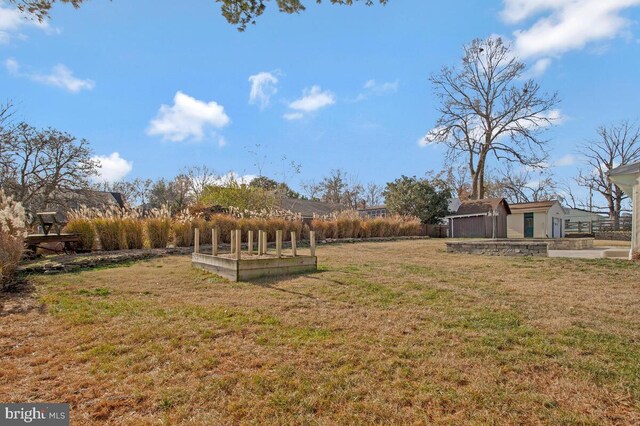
590, 227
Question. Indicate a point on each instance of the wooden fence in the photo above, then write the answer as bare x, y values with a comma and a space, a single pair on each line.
591, 227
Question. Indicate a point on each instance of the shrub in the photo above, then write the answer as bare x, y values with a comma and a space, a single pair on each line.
84, 228
110, 233
133, 230
158, 232
12, 234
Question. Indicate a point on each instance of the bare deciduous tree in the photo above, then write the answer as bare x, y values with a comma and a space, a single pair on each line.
373, 194
44, 166
486, 108
200, 177
311, 189
526, 186
617, 145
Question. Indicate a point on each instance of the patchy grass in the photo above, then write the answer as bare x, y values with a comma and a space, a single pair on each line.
396, 332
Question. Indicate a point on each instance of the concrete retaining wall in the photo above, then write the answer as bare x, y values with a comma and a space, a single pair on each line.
499, 248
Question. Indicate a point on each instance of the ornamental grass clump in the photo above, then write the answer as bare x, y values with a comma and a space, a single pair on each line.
110, 233
133, 233
13, 231
158, 232
84, 228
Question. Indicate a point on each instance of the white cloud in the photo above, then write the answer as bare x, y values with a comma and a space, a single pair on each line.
263, 87
222, 141
374, 88
60, 76
291, 116
313, 99
566, 160
187, 118
565, 25
112, 168
540, 66
12, 21
12, 66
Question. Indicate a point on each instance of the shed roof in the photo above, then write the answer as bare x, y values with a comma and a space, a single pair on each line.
536, 205
473, 207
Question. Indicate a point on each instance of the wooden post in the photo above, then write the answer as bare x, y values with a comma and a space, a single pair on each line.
238, 241
250, 243
312, 242
293, 243
265, 242
233, 242
260, 253
279, 243
196, 240
214, 241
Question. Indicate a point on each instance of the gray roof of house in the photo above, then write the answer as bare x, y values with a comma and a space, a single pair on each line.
309, 208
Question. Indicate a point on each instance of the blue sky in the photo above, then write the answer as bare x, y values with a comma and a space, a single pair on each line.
158, 85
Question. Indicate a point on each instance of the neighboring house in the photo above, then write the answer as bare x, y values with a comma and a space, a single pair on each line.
309, 209
486, 218
541, 219
627, 177
580, 215
374, 211
74, 200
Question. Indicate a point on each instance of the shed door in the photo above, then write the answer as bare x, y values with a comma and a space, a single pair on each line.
528, 225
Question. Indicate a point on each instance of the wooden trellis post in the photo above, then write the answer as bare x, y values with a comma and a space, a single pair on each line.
260, 237
250, 243
196, 240
279, 243
233, 242
238, 241
312, 242
265, 238
214, 241
294, 248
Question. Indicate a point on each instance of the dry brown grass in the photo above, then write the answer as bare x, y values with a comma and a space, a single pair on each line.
396, 332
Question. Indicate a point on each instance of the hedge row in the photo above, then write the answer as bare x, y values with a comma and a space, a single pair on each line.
120, 234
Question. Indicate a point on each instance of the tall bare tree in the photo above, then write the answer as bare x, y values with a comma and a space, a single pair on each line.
44, 166
617, 145
373, 194
200, 177
486, 108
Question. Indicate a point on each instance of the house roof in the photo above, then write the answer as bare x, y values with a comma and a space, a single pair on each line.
382, 206
308, 208
537, 205
626, 176
473, 207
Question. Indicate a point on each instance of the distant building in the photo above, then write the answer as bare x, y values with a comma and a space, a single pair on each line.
581, 215
94, 199
541, 219
374, 211
486, 218
309, 209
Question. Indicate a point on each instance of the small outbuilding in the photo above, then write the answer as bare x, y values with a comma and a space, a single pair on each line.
486, 218
540, 219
